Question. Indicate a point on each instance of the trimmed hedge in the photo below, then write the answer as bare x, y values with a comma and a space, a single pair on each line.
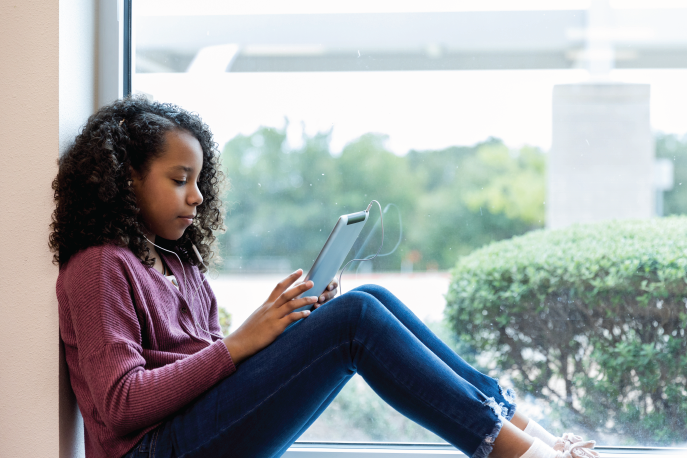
591, 318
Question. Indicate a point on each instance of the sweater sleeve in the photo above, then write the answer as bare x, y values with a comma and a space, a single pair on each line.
126, 395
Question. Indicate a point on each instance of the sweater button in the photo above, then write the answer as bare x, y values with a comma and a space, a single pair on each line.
183, 309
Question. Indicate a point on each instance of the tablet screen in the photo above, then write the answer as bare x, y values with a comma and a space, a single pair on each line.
334, 252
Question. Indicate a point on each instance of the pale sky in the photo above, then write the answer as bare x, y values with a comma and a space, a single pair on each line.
417, 109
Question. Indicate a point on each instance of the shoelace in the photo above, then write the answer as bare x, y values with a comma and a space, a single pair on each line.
573, 446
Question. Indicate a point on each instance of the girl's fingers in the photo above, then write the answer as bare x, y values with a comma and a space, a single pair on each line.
293, 292
326, 296
330, 292
298, 303
295, 316
284, 285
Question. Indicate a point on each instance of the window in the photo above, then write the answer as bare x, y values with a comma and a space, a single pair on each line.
472, 123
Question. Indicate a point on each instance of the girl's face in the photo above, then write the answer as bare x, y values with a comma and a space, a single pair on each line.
169, 194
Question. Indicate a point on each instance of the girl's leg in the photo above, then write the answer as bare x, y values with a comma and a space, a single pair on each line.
505, 398
263, 407
314, 417
487, 385
427, 337
439, 348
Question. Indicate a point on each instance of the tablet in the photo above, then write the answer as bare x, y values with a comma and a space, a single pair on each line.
333, 253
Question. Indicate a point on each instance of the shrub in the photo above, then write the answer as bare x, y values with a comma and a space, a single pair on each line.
591, 318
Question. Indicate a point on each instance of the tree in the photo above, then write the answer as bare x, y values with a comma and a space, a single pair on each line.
515, 186
284, 201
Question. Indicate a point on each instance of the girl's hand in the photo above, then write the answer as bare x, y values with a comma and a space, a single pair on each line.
329, 293
270, 319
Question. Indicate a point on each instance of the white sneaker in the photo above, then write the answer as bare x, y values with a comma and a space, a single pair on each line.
571, 446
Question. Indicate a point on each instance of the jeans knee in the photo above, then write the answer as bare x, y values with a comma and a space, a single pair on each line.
359, 304
375, 290
351, 309
358, 301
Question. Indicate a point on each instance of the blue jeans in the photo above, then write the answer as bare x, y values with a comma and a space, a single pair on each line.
276, 394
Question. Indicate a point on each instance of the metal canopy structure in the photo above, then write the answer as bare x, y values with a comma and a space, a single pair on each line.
415, 41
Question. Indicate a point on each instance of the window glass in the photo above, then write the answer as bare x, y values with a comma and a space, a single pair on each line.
529, 158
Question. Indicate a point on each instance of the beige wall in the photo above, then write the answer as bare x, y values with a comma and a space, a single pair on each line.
28, 141
33, 119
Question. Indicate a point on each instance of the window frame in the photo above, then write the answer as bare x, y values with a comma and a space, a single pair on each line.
428, 450
116, 59
126, 46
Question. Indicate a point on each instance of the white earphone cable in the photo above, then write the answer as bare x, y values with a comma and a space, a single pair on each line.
368, 258
186, 286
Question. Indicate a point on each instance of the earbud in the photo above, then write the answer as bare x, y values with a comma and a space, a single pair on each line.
200, 258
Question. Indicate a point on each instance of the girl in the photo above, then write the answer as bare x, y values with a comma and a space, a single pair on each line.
137, 201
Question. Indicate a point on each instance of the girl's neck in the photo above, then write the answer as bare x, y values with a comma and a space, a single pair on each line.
155, 254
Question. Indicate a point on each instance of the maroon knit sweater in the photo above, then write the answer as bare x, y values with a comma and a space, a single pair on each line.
135, 355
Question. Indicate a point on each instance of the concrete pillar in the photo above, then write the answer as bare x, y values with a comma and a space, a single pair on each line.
601, 164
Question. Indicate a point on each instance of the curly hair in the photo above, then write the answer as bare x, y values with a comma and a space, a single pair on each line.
95, 202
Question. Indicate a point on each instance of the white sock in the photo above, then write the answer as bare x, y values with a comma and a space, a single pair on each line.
535, 430
538, 449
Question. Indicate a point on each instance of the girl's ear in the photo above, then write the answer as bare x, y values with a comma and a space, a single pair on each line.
135, 177
134, 180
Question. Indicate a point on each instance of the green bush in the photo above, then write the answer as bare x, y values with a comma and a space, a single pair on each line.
590, 318
224, 320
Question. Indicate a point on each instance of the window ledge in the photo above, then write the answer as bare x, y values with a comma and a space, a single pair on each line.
384, 450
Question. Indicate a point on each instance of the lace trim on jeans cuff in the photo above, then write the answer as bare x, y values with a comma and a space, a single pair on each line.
508, 396
487, 444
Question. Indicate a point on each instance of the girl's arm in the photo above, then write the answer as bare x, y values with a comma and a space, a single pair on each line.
108, 337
